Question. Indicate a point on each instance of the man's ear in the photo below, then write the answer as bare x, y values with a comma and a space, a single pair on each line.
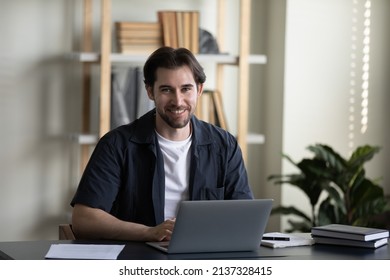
200, 89
149, 91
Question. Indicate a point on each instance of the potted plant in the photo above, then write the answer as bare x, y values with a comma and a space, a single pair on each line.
347, 196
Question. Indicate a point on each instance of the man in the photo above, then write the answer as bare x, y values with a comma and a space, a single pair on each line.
138, 173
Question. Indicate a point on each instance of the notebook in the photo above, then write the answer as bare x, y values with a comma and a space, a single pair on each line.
218, 226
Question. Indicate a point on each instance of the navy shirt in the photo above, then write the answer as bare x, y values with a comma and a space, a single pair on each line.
125, 174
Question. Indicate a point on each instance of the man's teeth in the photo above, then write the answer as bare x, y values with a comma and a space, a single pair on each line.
177, 111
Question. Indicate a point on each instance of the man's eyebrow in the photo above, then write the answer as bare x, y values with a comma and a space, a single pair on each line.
187, 85
168, 86
164, 86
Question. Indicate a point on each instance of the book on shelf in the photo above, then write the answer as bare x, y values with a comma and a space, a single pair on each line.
186, 29
219, 112
210, 108
180, 29
152, 34
167, 28
140, 25
138, 37
137, 49
194, 32
140, 41
349, 232
373, 244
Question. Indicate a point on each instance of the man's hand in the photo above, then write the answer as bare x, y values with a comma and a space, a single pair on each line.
162, 231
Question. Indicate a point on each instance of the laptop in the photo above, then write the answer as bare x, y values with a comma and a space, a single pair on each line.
218, 226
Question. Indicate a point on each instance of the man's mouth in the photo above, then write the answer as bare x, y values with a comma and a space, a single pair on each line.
176, 111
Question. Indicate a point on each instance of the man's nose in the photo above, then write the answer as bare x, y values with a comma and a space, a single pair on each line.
177, 97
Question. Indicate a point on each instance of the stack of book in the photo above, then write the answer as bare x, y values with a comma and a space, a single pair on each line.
173, 28
138, 37
180, 29
346, 235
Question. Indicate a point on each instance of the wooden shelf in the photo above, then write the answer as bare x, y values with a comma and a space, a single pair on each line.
255, 138
94, 57
92, 139
84, 139
106, 58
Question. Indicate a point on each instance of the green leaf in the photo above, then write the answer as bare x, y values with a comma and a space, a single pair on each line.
361, 155
328, 155
309, 185
364, 192
289, 159
315, 168
290, 211
329, 213
299, 226
335, 197
285, 179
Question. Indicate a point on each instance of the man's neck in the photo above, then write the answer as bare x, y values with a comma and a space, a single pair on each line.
173, 134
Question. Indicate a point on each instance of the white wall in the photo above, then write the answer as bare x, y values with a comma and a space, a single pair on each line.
35, 112
268, 32
318, 81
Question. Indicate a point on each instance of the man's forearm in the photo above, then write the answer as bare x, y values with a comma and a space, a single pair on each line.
91, 223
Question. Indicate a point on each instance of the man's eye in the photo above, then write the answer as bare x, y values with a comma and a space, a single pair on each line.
166, 90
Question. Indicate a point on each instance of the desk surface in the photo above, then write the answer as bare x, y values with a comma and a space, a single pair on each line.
36, 250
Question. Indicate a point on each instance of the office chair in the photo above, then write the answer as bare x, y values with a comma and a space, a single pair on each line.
65, 232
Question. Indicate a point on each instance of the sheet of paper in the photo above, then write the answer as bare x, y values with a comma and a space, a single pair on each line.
295, 240
84, 251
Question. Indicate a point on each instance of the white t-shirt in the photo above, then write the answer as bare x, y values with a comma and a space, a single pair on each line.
177, 159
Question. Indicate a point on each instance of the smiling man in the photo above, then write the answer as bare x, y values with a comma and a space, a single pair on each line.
139, 172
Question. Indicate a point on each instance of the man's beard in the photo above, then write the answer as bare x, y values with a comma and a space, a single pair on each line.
173, 122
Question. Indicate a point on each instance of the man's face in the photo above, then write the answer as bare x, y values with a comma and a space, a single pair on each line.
175, 95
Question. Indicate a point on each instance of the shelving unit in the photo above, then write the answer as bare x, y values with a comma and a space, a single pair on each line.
226, 59
106, 59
